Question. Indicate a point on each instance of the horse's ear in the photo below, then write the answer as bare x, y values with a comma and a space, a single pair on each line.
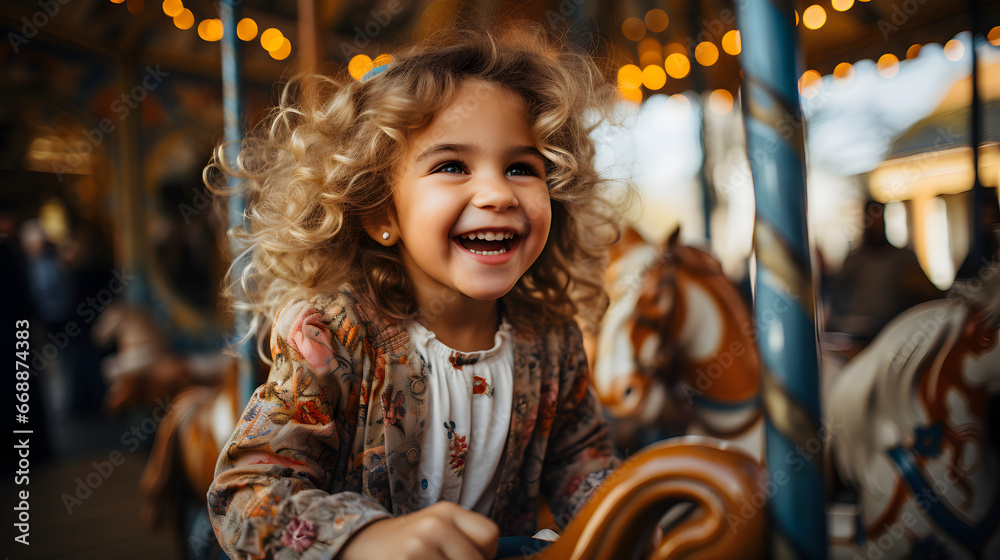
672, 240
630, 238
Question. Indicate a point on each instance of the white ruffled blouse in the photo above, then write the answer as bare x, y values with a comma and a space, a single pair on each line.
469, 407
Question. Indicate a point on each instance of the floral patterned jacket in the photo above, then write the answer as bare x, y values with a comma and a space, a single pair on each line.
327, 445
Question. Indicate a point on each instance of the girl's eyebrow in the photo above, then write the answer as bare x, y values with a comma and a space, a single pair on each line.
473, 148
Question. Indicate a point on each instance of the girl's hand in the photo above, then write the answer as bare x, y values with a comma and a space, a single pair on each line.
443, 531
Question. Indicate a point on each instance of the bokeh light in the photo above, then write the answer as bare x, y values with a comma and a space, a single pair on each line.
677, 66
633, 29
913, 51
731, 42
810, 83
185, 20
382, 60
814, 17
246, 29
842, 5
706, 53
657, 20
631, 94
994, 36
720, 102
844, 72
650, 57
135, 7
653, 77
210, 29
629, 76
282, 52
681, 100
173, 8
888, 65
954, 50
271, 39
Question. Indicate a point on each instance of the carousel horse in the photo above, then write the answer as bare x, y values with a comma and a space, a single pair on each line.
201, 396
144, 371
618, 521
181, 465
910, 432
675, 352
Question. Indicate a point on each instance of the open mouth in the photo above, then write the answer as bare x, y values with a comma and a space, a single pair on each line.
488, 243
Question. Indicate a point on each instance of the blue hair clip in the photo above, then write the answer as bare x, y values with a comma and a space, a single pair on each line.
374, 72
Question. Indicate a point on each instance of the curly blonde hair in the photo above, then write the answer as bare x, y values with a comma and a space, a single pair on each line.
325, 158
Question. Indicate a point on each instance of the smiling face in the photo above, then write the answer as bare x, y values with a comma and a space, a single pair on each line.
472, 209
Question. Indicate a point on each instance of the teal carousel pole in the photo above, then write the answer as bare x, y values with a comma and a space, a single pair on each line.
232, 102
785, 302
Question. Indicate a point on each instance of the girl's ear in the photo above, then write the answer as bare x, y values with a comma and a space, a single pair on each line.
382, 228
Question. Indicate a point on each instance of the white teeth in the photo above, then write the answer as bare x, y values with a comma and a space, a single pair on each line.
488, 253
489, 235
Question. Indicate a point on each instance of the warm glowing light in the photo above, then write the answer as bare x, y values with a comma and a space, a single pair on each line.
720, 102
631, 94
677, 66
246, 29
653, 77
844, 71
650, 57
954, 50
271, 39
359, 66
888, 65
382, 60
173, 8
135, 7
117, 1
706, 53
731, 42
282, 52
994, 36
681, 100
814, 17
810, 82
657, 20
185, 20
913, 51
796, 12
629, 76
842, 5
648, 44
210, 29
674, 48
633, 29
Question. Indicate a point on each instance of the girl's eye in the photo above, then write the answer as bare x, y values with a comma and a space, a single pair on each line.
450, 167
523, 169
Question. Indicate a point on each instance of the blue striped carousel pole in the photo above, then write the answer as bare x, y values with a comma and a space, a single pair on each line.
785, 302
232, 102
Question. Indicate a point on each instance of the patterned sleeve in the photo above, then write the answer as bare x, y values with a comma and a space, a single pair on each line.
580, 454
279, 488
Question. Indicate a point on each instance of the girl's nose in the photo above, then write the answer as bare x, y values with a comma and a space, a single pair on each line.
494, 191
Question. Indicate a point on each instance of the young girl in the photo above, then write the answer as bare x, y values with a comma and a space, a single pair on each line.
424, 239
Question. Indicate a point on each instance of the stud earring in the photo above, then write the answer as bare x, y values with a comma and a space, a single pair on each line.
385, 235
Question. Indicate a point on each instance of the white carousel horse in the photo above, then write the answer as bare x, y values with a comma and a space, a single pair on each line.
675, 352
909, 430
